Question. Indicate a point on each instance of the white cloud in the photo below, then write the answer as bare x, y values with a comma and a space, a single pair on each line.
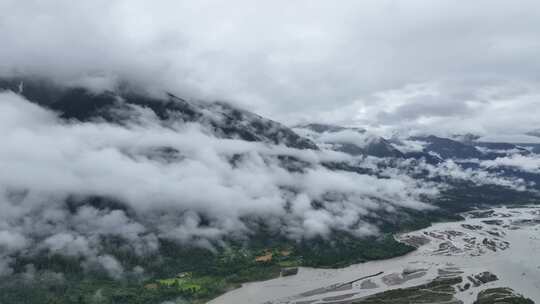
524, 163
111, 265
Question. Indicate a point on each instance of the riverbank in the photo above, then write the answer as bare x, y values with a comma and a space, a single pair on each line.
501, 241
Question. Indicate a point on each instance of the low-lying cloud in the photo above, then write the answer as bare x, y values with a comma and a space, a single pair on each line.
67, 185
529, 164
196, 194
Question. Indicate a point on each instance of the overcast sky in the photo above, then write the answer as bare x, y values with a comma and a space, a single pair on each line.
449, 65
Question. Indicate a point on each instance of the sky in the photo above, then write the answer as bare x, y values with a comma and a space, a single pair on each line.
446, 66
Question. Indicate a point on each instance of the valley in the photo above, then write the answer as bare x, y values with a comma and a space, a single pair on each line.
456, 262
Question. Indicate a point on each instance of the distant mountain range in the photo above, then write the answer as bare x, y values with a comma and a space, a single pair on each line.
357, 141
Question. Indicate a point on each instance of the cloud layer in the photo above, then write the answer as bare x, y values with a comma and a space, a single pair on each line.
67, 185
172, 181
